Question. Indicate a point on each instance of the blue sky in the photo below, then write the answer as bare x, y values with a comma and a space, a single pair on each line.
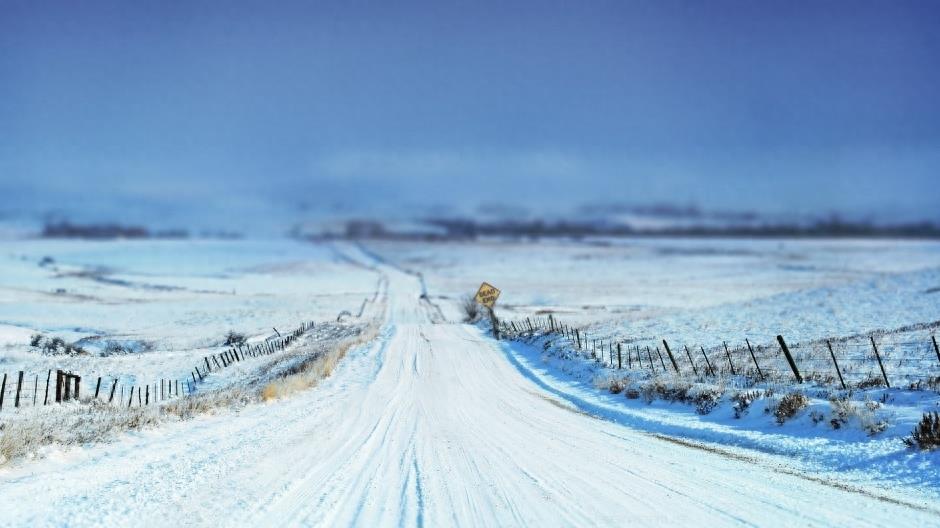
808, 106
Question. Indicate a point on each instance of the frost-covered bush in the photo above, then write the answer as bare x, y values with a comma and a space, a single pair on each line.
844, 411
871, 382
704, 397
233, 338
789, 405
926, 434
470, 307
614, 384
842, 408
741, 401
617, 386
112, 348
931, 383
54, 346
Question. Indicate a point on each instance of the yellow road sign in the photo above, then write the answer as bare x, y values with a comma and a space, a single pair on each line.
487, 295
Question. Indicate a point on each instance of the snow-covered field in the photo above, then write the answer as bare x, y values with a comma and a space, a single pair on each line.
435, 423
649, 282
143, 311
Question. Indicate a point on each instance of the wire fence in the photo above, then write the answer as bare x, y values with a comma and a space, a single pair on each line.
21, 389
889, 360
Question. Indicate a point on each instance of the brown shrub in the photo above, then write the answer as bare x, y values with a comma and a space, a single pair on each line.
926, 434
789, 405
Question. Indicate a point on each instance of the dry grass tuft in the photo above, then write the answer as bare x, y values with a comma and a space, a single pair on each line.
309, 373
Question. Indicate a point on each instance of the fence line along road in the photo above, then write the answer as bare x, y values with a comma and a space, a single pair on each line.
59, 386
848, 362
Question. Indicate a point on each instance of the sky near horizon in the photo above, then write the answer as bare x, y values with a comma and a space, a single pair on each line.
808, 106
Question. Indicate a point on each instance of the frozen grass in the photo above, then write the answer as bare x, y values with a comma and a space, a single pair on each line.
308, 373
93, 421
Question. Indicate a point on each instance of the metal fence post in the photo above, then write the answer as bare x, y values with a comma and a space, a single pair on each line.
753, 357
880, 364
836, 363
786, 352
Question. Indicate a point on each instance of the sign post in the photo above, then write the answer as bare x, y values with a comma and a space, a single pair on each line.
486, 296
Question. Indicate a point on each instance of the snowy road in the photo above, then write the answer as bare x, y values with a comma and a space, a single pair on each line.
431, 426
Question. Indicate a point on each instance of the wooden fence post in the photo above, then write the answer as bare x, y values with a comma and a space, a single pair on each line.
880, 364
619, 358
35, 388
78, 386
650, 356
578, 335
3, 389
754, 358
208, 368
672, 359
687, 353
45, 400
98, 387
58, 386
786, 352
131, 399
67, 391
935, 347
147, 395
113, 387
836, 363
728, 353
